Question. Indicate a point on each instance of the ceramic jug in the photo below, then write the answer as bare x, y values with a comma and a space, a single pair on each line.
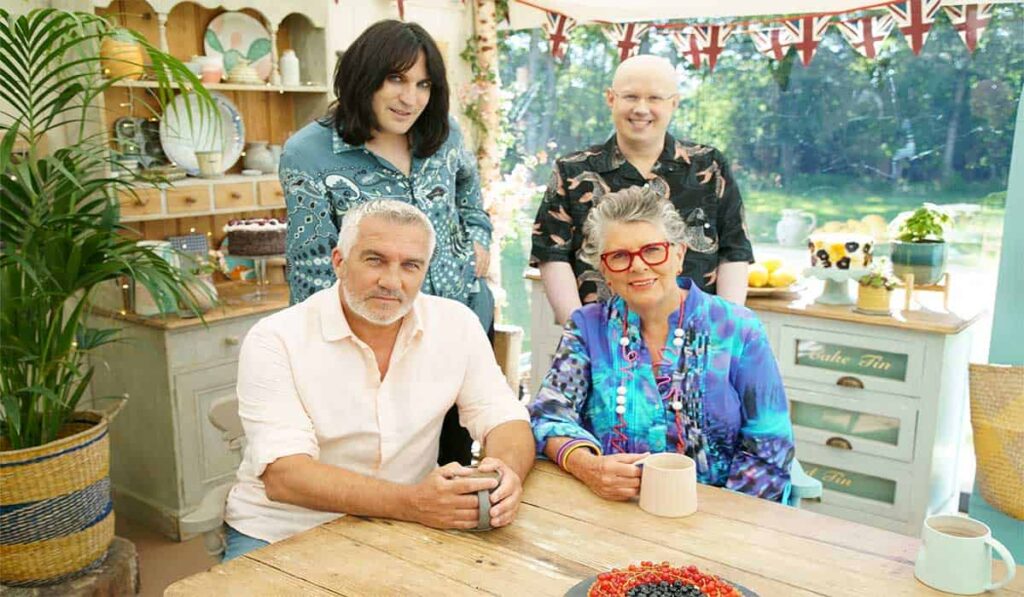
793, 228
259, 157
290, 69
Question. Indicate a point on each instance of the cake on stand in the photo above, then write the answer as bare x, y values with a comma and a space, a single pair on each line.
837, 284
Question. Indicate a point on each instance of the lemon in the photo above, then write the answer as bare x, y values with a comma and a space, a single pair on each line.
772, 264
758, 275
781, 277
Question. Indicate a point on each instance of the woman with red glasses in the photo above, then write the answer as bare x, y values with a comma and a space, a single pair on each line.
661, 367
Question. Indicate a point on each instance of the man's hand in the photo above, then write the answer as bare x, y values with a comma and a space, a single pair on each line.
505, 499
612, 477
483, 259
446, 499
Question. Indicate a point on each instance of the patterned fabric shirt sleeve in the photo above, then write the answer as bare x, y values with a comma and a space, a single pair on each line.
312, 232
553, 227
760, 466
468, 198
733, 240
557, 410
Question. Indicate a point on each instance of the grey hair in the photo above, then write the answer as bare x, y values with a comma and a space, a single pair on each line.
633, 204
391, 211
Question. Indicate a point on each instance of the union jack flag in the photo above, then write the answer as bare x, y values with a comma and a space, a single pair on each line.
915, 19
969, 21
558, 27
807, 32
703, 42
688, 46
627, 37
866, 35
773, 43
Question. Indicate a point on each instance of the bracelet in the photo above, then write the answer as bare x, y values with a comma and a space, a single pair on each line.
571, 446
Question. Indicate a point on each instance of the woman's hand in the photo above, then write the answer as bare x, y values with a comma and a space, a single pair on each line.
483, 259
613, 477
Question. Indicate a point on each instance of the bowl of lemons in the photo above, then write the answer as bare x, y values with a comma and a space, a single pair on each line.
770, 277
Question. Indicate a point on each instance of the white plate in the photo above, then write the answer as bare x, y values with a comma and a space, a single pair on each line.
793, 288
181, 138
236, 35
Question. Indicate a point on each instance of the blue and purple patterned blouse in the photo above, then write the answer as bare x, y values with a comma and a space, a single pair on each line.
729, 382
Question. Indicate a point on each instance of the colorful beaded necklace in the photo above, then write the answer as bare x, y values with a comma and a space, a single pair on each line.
683, 388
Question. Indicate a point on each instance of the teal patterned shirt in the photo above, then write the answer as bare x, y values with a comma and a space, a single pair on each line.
323, 177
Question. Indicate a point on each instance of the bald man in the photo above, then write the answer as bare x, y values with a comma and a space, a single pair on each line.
695, 178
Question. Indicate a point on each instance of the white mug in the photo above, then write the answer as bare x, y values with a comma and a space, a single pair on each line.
956, 556
668, 485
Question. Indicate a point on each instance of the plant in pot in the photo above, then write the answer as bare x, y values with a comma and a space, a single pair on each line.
61, 237
919, 245
874, 289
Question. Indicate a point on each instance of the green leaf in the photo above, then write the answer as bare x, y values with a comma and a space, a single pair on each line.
258, 49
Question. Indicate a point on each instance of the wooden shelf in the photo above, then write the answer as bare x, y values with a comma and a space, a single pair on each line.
267, 88
192, 181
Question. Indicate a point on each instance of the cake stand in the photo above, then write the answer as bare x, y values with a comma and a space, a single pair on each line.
260, 268
837, 284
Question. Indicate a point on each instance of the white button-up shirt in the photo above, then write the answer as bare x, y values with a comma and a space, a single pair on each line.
308, 385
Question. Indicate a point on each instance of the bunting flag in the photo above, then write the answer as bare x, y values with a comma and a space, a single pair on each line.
969, 21
688, 46
558, 27
866, 35
915, 19
807, 32
626, 37
773, 43
711, 41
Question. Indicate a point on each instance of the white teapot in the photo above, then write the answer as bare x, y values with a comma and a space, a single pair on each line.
794, 227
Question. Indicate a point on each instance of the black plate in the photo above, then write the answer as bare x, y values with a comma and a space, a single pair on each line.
580, 590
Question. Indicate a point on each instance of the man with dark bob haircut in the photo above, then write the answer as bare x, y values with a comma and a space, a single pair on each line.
389, 136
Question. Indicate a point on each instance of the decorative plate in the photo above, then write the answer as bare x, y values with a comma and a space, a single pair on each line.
181, 137
235, 35
583, 587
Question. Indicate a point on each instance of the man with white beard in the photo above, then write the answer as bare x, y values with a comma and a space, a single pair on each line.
342, 397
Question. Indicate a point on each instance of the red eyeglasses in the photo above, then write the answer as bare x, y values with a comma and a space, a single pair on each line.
622, 260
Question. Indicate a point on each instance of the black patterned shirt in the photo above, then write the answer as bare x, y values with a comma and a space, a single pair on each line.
695, 178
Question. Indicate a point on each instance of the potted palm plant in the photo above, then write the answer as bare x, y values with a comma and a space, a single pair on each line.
919, 245
60, 237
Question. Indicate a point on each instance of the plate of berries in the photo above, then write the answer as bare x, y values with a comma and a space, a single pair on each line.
648, 579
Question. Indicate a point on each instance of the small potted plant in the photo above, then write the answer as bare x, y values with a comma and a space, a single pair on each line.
919, 246
874, 290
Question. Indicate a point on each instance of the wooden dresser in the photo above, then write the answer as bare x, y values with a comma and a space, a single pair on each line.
168, 455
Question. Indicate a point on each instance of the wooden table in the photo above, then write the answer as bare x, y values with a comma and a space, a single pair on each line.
563, 534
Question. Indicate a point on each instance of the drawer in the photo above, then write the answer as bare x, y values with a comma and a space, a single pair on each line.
227, 196
270, 193
205, 345
190, 198
851, 362
143, 202
862, 423
858, 481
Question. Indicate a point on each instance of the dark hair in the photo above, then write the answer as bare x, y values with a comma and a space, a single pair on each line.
388, 47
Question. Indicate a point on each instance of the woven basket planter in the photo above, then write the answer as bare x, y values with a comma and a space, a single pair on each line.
56, 516
997, 417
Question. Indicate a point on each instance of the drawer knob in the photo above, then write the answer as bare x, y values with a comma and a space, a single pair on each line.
848, 381
141, 200
236, 195
839, 442
190, 199
231, 340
